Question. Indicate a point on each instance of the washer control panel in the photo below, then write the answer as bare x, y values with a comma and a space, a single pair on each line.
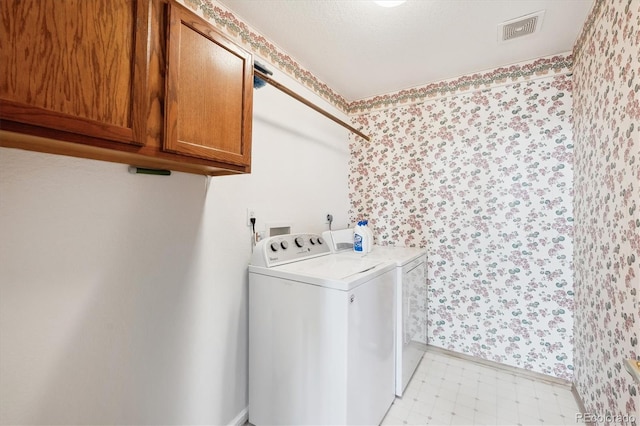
288, 248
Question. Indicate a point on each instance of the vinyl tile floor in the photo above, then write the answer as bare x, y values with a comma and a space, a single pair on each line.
447, 390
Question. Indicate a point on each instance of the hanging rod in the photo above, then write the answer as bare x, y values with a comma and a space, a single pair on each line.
313, 106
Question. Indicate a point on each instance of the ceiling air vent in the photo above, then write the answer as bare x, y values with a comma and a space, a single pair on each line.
520, 27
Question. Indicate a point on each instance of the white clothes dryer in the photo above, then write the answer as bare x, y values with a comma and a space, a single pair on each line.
321, 335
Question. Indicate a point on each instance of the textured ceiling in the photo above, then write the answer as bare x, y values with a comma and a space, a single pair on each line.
361, 50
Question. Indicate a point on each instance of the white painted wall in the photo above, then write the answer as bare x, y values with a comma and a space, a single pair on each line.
123, 298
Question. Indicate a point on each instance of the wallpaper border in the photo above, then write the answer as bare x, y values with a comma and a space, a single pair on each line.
250, 39
521, 71
258, 44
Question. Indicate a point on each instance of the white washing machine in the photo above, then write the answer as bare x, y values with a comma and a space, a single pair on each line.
410, 298
321, 335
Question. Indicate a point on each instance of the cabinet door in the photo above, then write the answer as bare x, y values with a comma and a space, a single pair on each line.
75, 66
209, 92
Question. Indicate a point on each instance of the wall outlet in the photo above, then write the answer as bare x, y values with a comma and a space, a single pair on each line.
251, 213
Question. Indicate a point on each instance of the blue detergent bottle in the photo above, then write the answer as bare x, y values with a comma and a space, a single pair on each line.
359, 236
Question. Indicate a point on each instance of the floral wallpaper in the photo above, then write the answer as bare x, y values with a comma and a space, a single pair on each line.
484, 181
607, 208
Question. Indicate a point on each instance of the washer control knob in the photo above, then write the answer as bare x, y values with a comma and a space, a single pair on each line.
284, 245
320, 240
312, 241
299, 241
274, 246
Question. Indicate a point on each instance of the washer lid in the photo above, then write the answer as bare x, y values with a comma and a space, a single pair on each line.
400, 255
333, 271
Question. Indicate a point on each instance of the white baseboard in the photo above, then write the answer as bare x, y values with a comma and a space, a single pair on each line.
241, 418
578, 398
534, 375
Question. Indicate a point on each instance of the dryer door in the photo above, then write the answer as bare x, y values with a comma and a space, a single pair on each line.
414, 295
413, 323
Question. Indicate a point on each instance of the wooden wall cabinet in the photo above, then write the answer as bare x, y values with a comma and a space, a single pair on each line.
75, 66
140, 82
207, 106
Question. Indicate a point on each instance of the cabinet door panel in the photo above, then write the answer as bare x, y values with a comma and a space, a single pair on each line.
209, 92
75, 66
